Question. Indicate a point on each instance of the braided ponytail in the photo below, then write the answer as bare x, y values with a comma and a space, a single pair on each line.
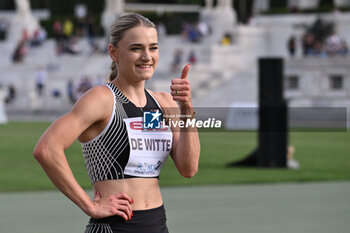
114, 71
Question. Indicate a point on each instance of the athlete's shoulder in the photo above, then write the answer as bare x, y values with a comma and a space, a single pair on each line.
100, 93
97, 99
101, 89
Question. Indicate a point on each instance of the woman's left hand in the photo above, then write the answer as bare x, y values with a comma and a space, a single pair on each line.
181, 90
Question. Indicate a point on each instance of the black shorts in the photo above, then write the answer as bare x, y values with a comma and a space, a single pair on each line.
145, 221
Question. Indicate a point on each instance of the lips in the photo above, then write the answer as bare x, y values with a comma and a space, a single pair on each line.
144, 66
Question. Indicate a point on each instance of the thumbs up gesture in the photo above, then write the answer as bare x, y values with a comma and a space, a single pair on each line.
181, 90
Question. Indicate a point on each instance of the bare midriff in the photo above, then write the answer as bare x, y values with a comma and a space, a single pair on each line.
144, 191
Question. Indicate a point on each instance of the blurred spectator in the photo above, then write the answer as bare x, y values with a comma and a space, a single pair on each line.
294, 9
185, 30
34, 102
11, 94
333, 44
39, 37
308, 41
3, 29
318, 49
25, 35
58, 35
71, 91
203, 28
344, 48
68, 40
190, 32
194, 34
291, 45
21, 49
56, 97
177, 60
20, 52
323, 42
75, 90
226, 39
40, 80
91, 31
192, 59
81, 27
68, 28
84, 85
319, 39
71, 46
56, 93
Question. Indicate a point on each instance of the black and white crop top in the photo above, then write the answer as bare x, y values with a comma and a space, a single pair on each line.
124, 149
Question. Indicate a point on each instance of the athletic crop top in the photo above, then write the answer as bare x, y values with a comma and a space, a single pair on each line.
124, 149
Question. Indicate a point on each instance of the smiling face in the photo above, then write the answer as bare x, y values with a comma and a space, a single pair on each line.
136, 55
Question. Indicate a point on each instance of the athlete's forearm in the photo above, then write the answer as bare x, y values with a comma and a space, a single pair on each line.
57, 169
188, 151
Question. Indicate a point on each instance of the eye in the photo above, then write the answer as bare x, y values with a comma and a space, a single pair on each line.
154, 48
135, 49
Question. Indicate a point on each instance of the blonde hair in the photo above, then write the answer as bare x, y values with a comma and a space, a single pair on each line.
119, 27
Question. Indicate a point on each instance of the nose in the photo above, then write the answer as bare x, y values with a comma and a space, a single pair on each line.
146, 56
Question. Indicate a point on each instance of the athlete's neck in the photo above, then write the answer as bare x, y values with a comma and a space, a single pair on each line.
135, 92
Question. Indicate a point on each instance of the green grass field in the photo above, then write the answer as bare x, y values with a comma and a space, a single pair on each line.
323, 156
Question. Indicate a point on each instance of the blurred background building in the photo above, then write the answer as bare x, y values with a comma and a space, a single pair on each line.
53, 51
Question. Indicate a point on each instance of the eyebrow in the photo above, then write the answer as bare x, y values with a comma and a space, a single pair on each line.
141, 45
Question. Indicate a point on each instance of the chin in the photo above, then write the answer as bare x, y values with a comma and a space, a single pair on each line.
146, 76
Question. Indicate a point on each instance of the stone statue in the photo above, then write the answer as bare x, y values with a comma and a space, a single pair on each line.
224, 4
208, 4
23, 8
260, 5
114, 6
221, 19
113, 9
25, 18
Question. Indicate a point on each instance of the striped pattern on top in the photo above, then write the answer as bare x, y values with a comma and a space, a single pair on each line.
102, 153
